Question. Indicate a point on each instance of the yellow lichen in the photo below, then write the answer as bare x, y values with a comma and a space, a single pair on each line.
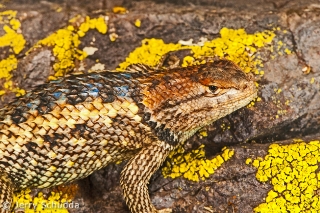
56, 202
293, 171
203, 132
252, 103
149, 53
113, 36
280, 44
193, 165
287, 51
312, 81
121, 10
248, 161
12, 39
7, 65
235, 45
137, 23
16, 42
278, 90
65, 43
59, 9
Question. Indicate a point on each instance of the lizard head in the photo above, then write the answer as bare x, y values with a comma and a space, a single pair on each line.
185, 99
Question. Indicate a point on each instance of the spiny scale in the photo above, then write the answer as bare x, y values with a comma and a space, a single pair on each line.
66, 129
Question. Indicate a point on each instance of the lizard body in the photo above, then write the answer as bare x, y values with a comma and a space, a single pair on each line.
67, 129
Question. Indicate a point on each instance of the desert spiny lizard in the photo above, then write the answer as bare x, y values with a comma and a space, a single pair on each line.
66, 129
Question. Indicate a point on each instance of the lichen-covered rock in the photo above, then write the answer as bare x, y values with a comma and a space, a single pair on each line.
276, 41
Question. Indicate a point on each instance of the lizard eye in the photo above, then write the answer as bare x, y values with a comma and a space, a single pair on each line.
213, 89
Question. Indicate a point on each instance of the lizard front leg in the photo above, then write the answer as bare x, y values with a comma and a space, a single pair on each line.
136, 174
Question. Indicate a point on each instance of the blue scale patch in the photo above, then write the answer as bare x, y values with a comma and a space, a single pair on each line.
57, 94
94, 92
89, 85
29, 105
99, 84
126, 75
62, 99
91, 90
33, 105
65, 91
122, 91
96, 76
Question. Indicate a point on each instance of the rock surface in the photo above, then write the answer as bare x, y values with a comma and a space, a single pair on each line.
281, 115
